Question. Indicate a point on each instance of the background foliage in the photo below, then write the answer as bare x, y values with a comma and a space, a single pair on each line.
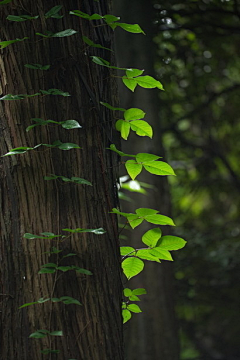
197, 61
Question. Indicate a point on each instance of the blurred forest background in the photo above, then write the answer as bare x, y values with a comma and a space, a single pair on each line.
193, 48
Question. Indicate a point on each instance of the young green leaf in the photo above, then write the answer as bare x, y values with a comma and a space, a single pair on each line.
37, 66
132, 266
56, 333
99, 231
159, 220
134, 220
133, 168
68, 146
145, 211
134, 114
158, 168
142, 128
134, 308
70, 124
39, 334
4, 44
134, 72
169, 242
67, 32
132, 28
91, 43
151, 237
124, 128
126, 314
53, 12
161, 254
113, 148
148, 82
127, 292
146, 255
129, 83
85, 16
139, 291
126, 250
21, 18
145, 157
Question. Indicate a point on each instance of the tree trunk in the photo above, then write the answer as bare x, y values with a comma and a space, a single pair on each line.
153, 334
30, 204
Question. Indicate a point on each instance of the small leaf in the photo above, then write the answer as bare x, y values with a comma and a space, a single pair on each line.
39, 334
78, 180
53, 12
91, 43
142, 128
139, 291
85, 16
148, 82
132, 28
4, 44
132, 266
145, 157
130, 83
159, 220
126, 314
47, 271
125, 250
113, 148
68, 146
134, 220
127, 292
69, 300
134, 308
56, 333
146, 255
158, 168
37, 66
161, 254
21, 18
133, 168
145, 211
169, 242
70, 124
133, 72
134, 114
99, 231
83, 271
151, 237
5, 2
124, 128
134, 298
67, 32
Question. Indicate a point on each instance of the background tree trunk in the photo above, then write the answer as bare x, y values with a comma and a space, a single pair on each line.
31, 204
153, 334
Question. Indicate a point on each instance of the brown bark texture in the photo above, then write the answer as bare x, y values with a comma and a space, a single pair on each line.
30, 204
152, 334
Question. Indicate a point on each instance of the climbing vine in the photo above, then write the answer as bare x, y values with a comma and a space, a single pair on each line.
156, 247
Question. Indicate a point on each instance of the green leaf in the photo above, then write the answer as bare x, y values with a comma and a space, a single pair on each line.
69, 300
148, 82
85, 16
158, 168
145, 211
146, 255
110, 18
111, 107
133, 168
68, 146
127, 292
134, 114
32, 236
27, 304
145, 157
47, 270
139, 291
142, 128
65, 268
132, 28
21, 18
53, 12
134, 298
91, 43
134, 308
99, 231
132, 266
67, 32
70, 124
133, 72
78, 180
56, 333
159, 220
126, 314
151, 237
169, 242
37, 66
54, 92
39, 334
125, 250
130, 83
134, 220
161, 254
4, 44
124, 128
